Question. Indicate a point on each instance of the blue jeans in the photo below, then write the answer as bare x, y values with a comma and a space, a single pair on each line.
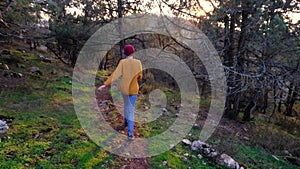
129, 103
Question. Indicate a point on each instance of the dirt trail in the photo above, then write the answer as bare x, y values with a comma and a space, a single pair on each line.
116, 120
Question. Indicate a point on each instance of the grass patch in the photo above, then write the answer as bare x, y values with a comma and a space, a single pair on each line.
45, 131
256, 157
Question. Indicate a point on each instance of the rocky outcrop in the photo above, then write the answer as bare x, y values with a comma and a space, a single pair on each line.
44, 59
3, 127
207, 151
35, 70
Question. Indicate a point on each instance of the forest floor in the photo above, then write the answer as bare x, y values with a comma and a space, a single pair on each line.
44, 130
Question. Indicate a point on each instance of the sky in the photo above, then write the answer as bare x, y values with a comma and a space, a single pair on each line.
206, 5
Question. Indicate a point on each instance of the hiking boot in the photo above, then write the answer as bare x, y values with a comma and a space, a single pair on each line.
130, 138
121, 128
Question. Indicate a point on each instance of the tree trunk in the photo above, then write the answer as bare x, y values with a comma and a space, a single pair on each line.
251, 106
120, 15
280, 102
231, 109
291, 101
240, 54
265, 100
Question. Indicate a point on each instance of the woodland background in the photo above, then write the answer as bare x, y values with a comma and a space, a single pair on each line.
258, 42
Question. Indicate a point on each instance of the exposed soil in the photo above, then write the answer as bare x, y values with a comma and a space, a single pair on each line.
104, 101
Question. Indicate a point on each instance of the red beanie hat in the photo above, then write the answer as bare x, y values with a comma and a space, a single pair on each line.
128, 50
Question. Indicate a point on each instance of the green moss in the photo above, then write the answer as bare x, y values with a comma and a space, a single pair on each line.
94, 158
204, 102
103, 74
16, 52
259, 158
14, 96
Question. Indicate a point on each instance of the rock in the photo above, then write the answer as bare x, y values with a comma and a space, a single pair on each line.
213, 154
165, 163
42, 48
36, 136
196, 126
3, 127
41, 57
35, 70
44, 59
194, 115
20, 75
165, 112
12, 75
199, 145
226, 160
186, 141
5, 52
6, 67
246, 138
206, 151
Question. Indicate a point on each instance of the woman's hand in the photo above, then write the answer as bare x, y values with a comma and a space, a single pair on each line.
101, 88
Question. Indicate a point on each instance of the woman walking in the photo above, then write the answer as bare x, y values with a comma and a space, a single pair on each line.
130, 70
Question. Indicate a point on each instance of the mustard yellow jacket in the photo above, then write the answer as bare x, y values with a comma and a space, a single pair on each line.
131, 71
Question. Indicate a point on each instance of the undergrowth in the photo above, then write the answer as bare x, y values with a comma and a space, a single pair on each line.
45, 132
